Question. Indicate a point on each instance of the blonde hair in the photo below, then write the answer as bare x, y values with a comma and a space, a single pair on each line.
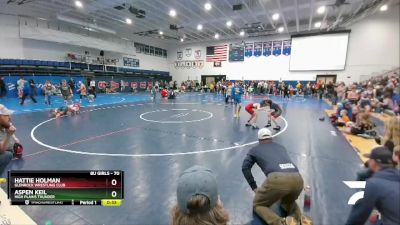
215, 216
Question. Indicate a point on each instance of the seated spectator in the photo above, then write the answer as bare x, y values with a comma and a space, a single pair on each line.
363, 123
343, 118
364, 100
392, 131
387, 102
7, 138
198, 200
352, 95
381, 190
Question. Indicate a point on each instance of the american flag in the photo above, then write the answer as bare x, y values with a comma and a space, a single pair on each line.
216, 53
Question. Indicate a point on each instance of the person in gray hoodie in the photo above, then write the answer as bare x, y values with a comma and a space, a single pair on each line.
382, 190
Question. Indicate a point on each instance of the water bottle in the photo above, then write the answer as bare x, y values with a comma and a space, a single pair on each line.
307, 197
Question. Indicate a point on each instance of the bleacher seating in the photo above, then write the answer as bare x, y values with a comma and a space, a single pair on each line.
28, 63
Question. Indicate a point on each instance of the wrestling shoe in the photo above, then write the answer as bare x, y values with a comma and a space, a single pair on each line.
268, 125
255, 126
277, 128
247, 125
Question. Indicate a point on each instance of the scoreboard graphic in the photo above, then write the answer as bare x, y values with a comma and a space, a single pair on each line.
94, 187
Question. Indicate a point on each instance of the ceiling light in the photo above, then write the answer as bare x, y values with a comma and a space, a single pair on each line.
78, 4
40, 18
160, 32
384, 8
199, 27
216, 36
207, 6
241, 33
181, 39
229, 23
317, 24
275, 16
128, 21
281, 29
321, 9
172, 13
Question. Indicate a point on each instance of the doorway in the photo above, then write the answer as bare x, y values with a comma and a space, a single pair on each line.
207, 79
326, 78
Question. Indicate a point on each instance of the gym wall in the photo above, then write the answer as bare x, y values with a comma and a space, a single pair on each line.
372, 49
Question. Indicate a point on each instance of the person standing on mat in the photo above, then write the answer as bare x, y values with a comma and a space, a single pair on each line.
274, 115
251, 108
237, 93
283, 181
28, 90
82, 91
3, 87
66, 92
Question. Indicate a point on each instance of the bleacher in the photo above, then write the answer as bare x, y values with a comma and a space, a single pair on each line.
12, 66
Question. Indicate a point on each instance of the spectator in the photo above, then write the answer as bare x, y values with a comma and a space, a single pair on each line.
20, 86
48, 90
381, 191
3, 87
7, 138
28, 90
392, 131
341, 91
71, 84
352, 95
32, 87
283, 182
93, 86
387, 102
198, 200
66, 92
363, 123
82, 91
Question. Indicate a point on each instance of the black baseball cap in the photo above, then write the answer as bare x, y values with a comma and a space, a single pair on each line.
380, 154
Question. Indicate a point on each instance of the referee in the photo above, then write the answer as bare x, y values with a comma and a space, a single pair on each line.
284, 182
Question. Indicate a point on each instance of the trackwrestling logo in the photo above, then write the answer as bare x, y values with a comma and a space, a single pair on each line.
358, 195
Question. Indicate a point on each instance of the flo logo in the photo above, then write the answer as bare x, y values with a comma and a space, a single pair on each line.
358, 195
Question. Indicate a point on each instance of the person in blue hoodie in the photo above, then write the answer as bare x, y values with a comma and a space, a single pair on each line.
382, 190
237, 92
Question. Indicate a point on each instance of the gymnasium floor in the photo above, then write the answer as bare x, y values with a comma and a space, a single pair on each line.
154, 143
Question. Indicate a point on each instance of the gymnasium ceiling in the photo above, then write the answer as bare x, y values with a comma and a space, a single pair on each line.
254, 17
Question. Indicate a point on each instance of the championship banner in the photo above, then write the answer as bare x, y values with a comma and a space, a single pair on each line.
133, 85
248, 49
277, 48
236, 52
102, 85
143, 85
287, 47
257, 49
267, 48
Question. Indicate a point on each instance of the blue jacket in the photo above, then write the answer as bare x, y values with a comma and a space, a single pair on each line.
382, 191
237, 91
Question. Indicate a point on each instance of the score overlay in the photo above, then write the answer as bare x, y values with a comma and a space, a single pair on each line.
93, 187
